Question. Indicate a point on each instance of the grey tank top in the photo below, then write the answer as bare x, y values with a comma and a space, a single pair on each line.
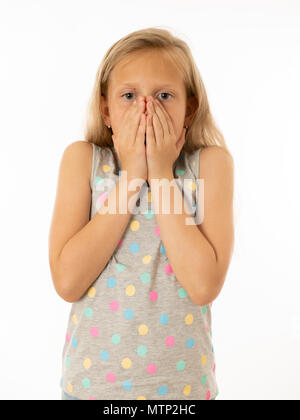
135, 333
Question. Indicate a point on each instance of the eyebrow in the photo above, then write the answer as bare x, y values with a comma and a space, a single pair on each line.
133, 85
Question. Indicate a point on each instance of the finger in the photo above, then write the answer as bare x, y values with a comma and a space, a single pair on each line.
132, 120
140, 137
156, 124
167, 117
161, 112
150, 137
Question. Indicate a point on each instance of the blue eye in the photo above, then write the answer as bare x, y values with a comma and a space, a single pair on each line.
129, 93
166, 93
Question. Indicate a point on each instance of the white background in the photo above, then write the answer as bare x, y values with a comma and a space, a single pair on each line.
248, 56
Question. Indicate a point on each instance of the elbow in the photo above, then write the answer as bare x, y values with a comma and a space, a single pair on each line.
208, 293
61, 283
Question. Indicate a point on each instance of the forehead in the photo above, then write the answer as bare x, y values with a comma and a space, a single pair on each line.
147, 67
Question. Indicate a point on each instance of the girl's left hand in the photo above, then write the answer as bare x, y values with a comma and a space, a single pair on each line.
162, 145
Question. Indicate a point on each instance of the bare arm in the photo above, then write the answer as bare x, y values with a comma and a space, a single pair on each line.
201, 261
79, 249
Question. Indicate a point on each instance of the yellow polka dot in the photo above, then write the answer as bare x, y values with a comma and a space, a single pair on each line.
134, 225
147, 259
105, 168
141, 397
130, 290
87, 363
143, 329
91, 292
126, 363
70, 388
187, 390
149, 197
189, 319
204, 360
192, 185
194, 163
75, 320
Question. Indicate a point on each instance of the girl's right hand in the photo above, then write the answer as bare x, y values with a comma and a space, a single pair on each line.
129, 142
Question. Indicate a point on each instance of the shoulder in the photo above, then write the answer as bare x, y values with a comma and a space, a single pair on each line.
79, 155
79, 151
215, 161
79, 148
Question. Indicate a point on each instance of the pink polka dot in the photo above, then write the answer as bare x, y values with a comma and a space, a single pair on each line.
153, 296
168, 269
102, 197
156, 230
207, 328
208, 396
110, 377
214, 369
170, 340
121, 240
94, 331
67, 338
151, 368
210, 304
92, 398
114, 305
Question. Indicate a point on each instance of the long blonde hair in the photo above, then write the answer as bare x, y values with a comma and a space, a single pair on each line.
203, 130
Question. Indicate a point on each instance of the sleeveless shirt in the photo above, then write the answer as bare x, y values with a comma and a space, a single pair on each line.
135, 333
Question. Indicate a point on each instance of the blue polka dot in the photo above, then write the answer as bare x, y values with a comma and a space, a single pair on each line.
88, 312
111, 282
162, 249
145, 277
128, 313
127, 385
134, 247
104, 355
162, 390
74, 342
86, 383
149, 214
164, 319
190, 342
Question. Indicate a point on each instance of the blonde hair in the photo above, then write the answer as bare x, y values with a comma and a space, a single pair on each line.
202, 131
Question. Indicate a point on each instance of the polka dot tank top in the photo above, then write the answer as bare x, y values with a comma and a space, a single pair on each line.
136, 334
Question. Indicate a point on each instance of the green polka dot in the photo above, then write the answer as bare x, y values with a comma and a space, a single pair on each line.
88, 312
182, 293
99, 180
204, 379
116, 339
68, 361
86, 383
142, 350
204, 309
149, 214
179, 171
120, 268
180, 365
145, 277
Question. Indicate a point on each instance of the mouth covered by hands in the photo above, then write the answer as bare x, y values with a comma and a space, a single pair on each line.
162, 145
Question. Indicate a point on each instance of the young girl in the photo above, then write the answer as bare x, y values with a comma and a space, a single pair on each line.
142, 281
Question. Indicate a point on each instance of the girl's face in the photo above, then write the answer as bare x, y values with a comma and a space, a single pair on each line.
147, 73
